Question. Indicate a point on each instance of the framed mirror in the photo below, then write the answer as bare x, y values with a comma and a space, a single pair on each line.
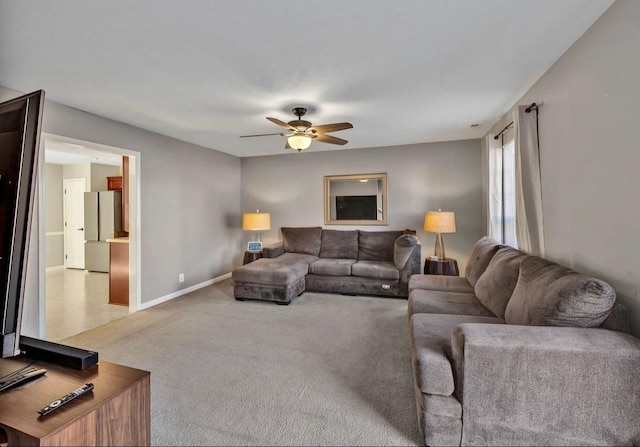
358, 199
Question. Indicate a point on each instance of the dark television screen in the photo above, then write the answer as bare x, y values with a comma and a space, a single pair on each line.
19, 144
356, 208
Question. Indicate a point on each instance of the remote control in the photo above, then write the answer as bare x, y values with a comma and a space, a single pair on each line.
21, 376
65, 399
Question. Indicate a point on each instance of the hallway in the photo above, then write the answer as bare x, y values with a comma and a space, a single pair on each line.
77, 301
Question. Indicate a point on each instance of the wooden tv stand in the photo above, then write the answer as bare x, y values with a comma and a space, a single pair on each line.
116, 412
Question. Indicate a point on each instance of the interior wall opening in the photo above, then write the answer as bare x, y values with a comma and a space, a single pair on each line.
89, 204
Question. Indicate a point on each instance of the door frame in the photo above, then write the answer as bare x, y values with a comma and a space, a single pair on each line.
135, 247
64, 215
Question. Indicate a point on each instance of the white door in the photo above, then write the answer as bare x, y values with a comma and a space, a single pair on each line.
74, 223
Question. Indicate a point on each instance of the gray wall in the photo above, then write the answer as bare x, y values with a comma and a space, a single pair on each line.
189, 198
422, 177
590, 156
54, 219
99, 174
82, 170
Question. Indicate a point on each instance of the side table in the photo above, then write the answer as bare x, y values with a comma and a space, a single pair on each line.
250, 256
446, 266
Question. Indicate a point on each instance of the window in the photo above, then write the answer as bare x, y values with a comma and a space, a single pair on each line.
502, 181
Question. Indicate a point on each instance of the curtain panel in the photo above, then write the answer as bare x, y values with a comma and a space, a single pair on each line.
494, 214
529, 222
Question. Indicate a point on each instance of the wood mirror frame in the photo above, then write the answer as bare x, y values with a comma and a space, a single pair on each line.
363, 199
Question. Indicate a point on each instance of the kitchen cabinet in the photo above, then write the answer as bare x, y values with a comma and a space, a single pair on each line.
114, 183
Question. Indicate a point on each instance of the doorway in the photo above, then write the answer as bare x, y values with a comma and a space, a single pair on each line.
73, 299
73, 214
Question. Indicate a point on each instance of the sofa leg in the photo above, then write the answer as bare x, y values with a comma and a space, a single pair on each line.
282, 303
239, 299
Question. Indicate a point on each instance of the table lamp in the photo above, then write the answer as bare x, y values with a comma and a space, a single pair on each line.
440, 222
256, 222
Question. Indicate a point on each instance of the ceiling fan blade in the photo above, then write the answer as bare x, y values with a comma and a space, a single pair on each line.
332, 127
261, 135
277, 122
329, 139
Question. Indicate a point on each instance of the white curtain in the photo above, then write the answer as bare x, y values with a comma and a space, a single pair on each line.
494, 214
529, 230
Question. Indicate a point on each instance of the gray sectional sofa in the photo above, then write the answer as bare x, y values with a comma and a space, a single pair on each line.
338, 261
522, 351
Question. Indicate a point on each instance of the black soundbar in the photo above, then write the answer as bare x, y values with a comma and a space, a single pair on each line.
49, 351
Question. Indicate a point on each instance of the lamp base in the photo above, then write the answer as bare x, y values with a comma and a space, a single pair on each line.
439, 251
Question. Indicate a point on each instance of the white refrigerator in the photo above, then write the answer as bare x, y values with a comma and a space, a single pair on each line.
102, 220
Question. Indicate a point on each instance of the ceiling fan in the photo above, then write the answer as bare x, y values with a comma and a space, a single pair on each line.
300, 133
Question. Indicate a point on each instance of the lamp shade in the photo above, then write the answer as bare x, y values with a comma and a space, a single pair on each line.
256, 221
299, 142
440, 222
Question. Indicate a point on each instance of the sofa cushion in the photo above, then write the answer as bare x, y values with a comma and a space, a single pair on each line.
375, 269
440, 282
335, 267
481, 254
377, 245
287, 258
339, 244
548, 294
495, 286
430, 343
402, 249
439, 302
302, 239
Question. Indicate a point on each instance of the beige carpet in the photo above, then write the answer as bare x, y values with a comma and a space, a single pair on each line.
325, 370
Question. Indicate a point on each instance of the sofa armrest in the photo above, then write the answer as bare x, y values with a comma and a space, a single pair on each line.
273, 250
403, 247
547, 385
410, 267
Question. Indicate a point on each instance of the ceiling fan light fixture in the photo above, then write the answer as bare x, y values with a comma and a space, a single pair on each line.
299, 142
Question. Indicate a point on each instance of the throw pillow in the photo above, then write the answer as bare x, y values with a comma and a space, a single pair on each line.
339, 244
495, 286
402, 249
548, 294
376, 245
304, 240
479, 259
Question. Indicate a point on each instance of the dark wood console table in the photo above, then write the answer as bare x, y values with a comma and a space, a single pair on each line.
250, 256
446, 266
117, 412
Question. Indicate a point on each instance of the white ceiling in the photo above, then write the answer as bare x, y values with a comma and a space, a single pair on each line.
63, 153
206, 72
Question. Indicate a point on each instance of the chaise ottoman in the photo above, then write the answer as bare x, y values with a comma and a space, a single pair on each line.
272, 279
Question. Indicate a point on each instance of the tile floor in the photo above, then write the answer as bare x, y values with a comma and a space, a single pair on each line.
77, 301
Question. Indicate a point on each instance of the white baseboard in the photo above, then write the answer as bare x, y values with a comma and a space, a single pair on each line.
163, 299
53, 268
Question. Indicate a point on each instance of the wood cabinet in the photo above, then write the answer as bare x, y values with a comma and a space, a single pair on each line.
114, 183
121, 183
116, 412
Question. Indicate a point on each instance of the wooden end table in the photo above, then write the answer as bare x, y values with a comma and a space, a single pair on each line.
250, 256
446, 266
116, 412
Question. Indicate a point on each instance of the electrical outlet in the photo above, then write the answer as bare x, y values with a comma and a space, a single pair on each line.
181, 277
386, 286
